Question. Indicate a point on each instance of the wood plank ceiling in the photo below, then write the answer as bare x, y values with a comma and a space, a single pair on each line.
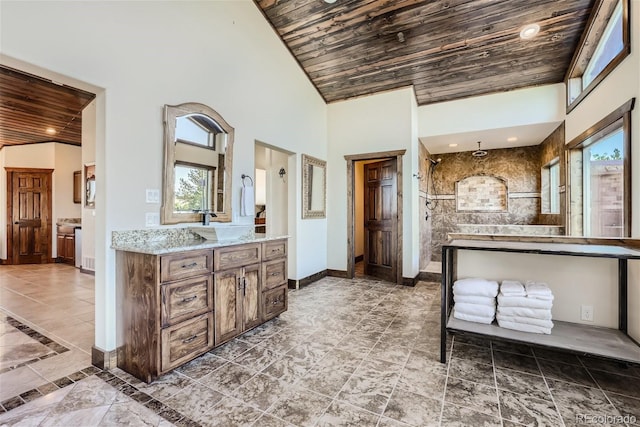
33, 110
446, 49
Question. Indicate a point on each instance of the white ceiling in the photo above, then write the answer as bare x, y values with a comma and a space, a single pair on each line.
532, 134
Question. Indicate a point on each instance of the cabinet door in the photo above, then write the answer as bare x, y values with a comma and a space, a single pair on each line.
61, 247
70, 247
251, 293
228, 304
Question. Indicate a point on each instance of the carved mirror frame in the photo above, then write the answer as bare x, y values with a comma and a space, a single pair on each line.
167, 211
307, 212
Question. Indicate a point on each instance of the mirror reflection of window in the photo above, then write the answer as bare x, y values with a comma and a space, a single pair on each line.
199, 171
194, 188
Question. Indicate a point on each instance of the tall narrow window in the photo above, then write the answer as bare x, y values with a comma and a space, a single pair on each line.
600, 177
551, 187
603, 175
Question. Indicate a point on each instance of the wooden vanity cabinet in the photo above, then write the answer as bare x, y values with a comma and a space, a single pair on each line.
237, 289
274, 279
178, 306
66, 244
167, 310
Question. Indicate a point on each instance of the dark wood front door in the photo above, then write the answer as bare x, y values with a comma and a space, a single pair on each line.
30, 222
381, 220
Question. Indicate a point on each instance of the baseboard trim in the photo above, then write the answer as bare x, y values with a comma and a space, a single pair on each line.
91, 272
359, 258
426, 276
104, 359
338, 273
410, 281
305, 281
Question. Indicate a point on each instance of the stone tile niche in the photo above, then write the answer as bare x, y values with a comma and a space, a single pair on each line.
481, 193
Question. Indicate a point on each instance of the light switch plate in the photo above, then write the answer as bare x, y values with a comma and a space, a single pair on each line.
152, 219
153, 195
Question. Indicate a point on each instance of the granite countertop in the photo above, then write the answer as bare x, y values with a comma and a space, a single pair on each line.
73, 222
166, 246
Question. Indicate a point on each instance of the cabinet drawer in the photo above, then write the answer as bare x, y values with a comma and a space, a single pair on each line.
275, 249
186, 298
274, 302
274, 273
186, 340
185, 264
237, 256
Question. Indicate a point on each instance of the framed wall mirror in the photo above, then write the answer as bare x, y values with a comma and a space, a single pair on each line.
198, 155
314, 187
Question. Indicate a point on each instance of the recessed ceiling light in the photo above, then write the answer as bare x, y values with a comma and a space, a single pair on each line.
329, 1
512, 139
529, 31
453, 145
50, 131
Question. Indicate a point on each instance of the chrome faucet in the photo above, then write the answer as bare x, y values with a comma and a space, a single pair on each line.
207, 215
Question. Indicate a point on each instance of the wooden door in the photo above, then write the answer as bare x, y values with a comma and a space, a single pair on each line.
251, 307
228, 304
381, 220
30, 221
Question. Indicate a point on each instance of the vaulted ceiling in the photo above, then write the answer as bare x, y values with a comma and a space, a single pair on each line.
33, 109
446, 49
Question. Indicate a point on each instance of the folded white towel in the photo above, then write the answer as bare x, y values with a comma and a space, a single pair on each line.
474, 299
512, 288
475, 309
505, 301
472, 318
474, 286
536, 313
524, 327
525, 320
537, 289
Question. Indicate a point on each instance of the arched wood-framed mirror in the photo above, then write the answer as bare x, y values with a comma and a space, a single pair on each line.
198, 158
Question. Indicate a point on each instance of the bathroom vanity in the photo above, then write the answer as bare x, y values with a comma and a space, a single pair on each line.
180, 299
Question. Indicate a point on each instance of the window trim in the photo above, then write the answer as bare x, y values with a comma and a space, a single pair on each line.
579, 62
595, 132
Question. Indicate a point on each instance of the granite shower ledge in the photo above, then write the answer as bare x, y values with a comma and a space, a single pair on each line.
167, 247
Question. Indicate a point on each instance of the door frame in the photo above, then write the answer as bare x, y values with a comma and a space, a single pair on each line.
351, 230
10, 172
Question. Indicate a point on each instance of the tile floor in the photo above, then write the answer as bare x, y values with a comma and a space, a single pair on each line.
348, 352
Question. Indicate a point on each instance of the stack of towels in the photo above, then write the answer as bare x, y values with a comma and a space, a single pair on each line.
475, 300
525, 308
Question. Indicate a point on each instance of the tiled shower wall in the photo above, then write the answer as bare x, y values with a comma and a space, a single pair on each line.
425, 215
518, 167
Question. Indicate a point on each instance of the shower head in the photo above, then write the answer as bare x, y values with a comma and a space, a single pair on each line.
434, 162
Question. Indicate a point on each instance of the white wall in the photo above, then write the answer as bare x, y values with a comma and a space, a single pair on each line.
540, 104
277, 193
147, 54
68, 159
89, 156
621, 85
376, 123
574, 281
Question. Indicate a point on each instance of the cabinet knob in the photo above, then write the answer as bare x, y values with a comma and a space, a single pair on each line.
193, 264
189, 299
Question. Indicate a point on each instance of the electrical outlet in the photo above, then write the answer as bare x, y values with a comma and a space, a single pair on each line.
152, 219
586, 313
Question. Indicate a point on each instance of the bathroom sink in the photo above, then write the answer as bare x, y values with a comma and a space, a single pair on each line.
224, 233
